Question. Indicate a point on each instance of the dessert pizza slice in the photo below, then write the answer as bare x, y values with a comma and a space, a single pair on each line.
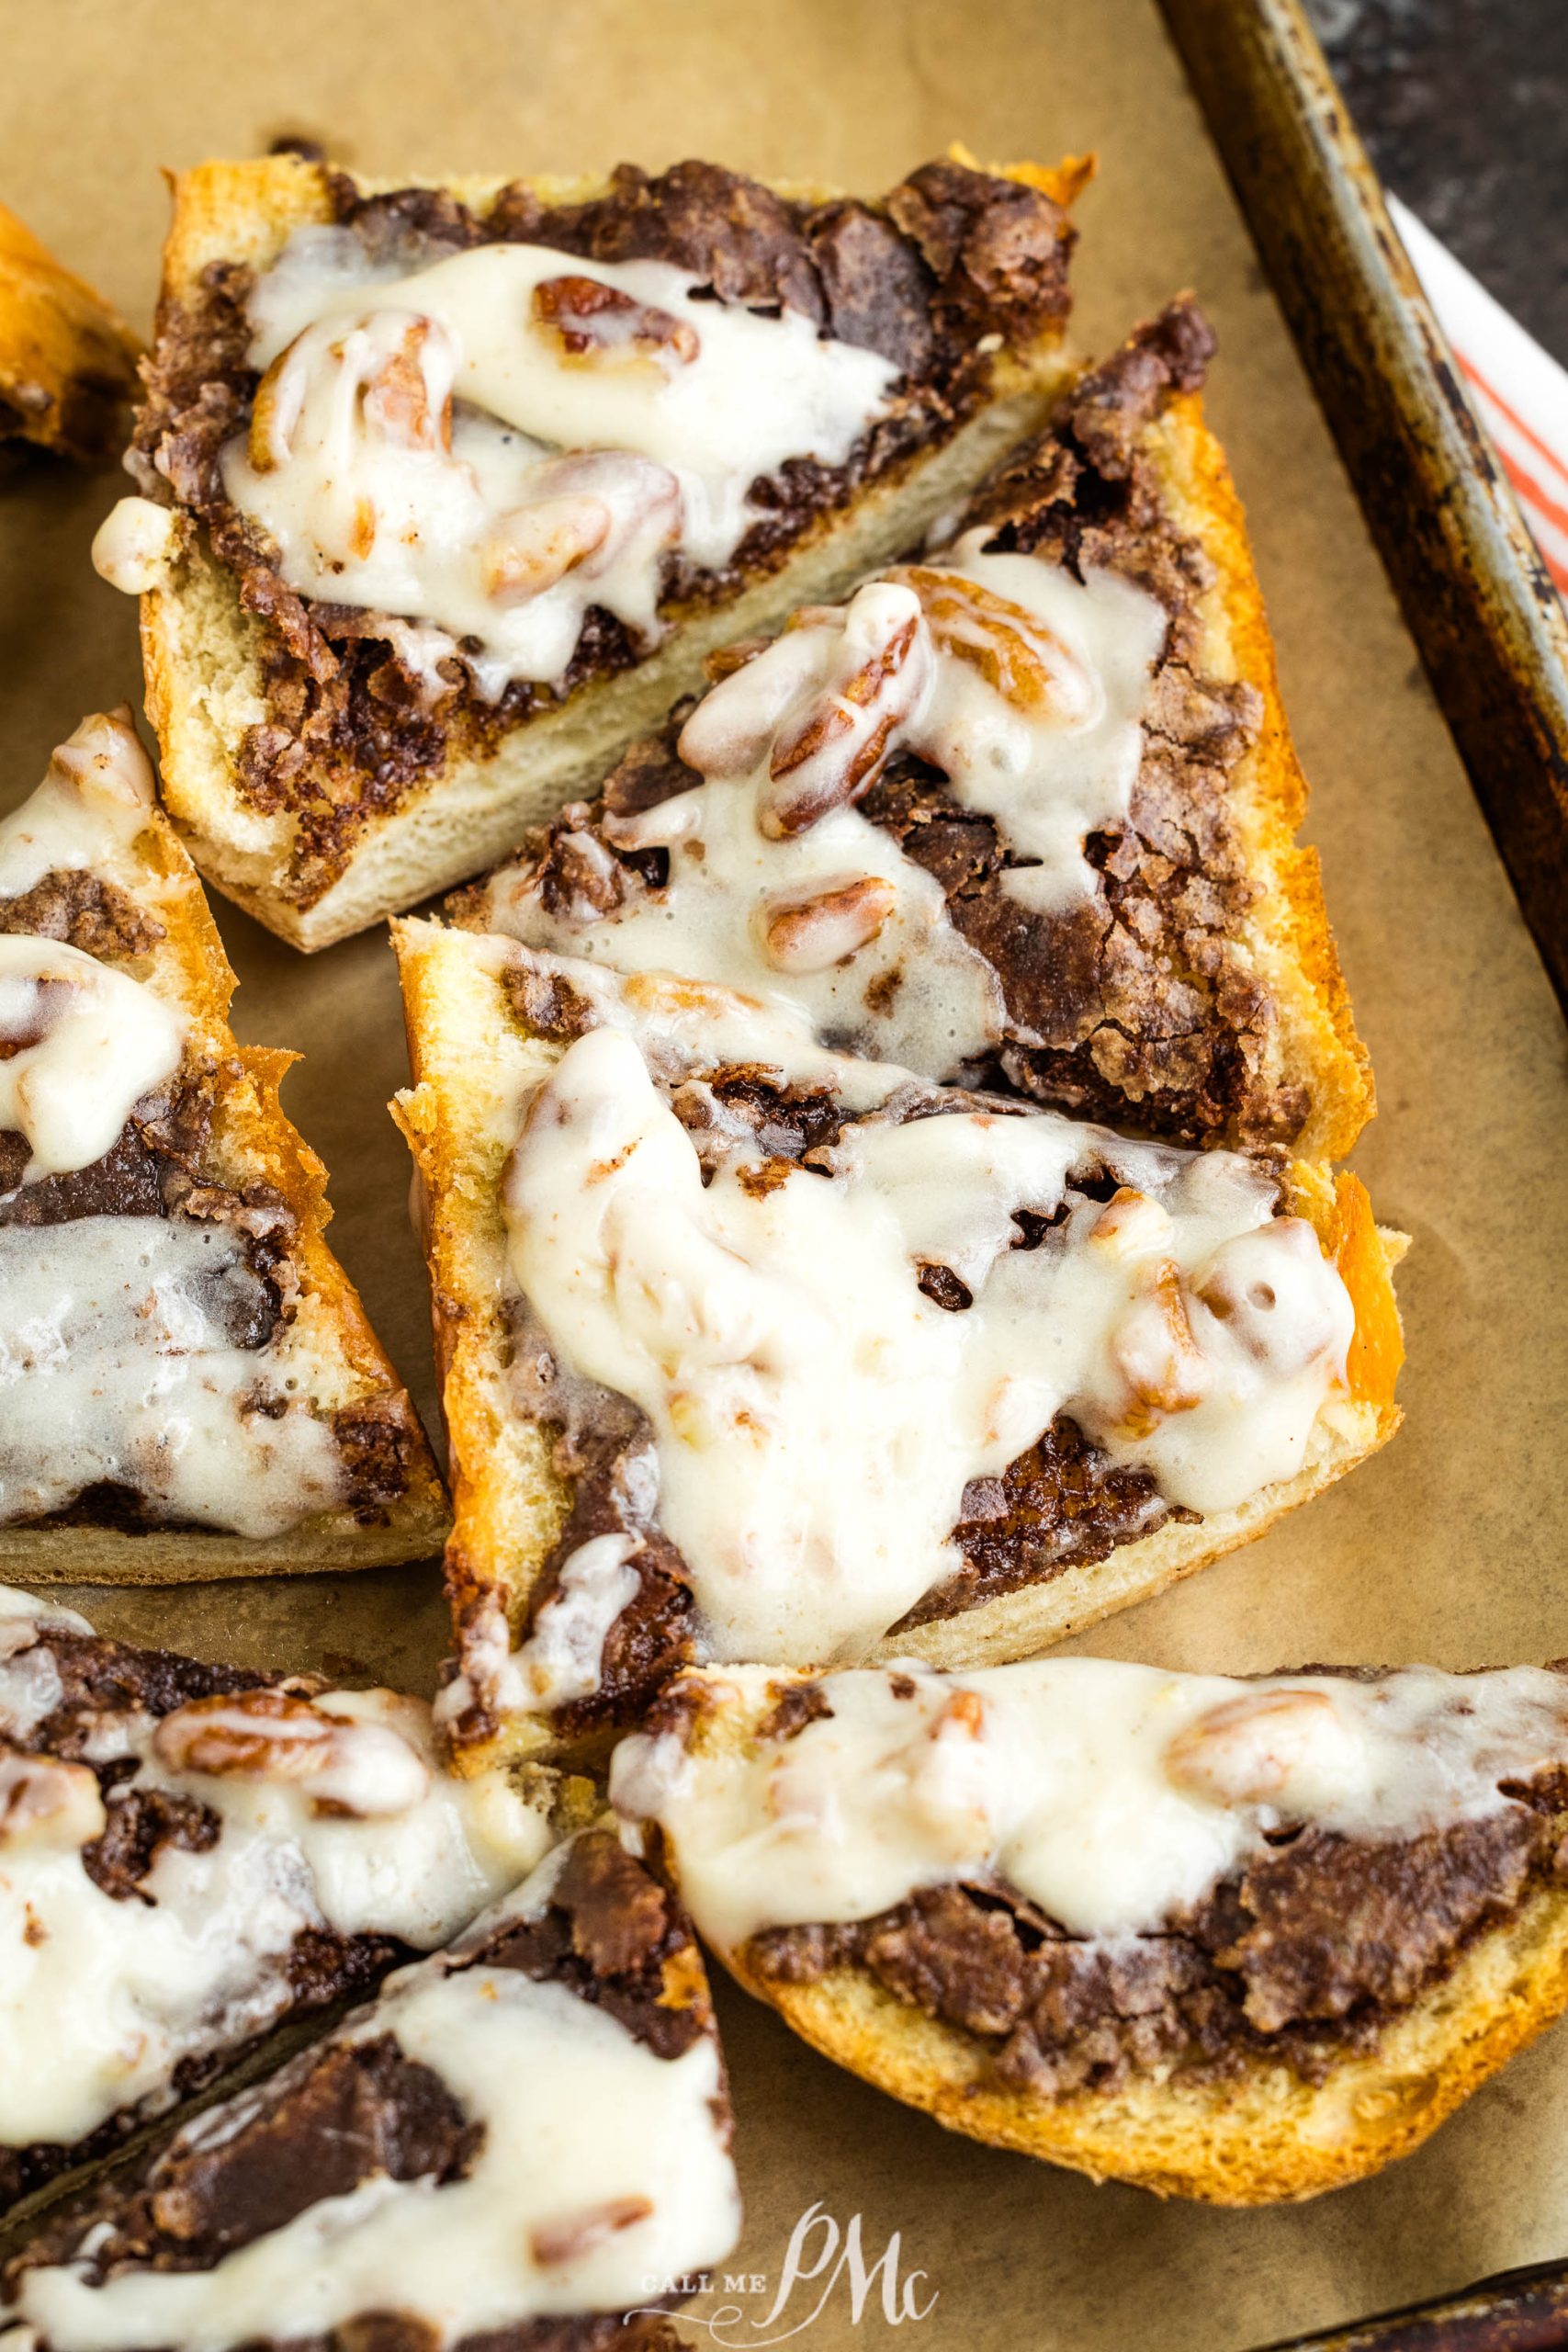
448, 489
188, 1387
1022, 811
522, 2145
1238, 1941
191, 1855
67, 361
753, 1350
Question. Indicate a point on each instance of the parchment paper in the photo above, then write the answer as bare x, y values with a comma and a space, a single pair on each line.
1450, 1546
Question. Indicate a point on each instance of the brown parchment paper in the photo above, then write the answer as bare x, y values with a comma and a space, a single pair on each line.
1450, 1546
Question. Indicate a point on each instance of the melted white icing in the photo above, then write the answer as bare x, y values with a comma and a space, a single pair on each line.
817, 1417
89, 1043
601, 2167
135, 545
583, 447
115, 1365
1022, 684
1112, 1795
115, 1994
563, 1656
89, 810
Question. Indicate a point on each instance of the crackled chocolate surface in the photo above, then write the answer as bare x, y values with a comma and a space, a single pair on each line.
1138, 1005
950, 258
1304, 1958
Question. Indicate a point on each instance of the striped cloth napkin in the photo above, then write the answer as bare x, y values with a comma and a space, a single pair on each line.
1517, 390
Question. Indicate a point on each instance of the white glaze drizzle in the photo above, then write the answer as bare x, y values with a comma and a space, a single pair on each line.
603, 417
87, 1044
88, 812
115, 1367
1022, 684
1113, 1795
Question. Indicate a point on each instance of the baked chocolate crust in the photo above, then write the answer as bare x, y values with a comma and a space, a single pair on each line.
1301, 1959
950, 258
338, 2115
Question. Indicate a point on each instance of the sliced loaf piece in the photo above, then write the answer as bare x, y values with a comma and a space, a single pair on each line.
448, 487
188, 1384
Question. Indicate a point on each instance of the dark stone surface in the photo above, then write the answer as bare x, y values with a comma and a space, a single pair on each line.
1463, 105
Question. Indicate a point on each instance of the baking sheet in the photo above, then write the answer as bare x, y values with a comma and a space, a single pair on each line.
1448, 1546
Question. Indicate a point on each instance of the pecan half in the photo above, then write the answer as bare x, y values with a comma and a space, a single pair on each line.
810, 931
535, 545
1161, 1365
597, 324
353, 1765
1244, 1751
46, 1802
1017, 653
555, 2242
833, 750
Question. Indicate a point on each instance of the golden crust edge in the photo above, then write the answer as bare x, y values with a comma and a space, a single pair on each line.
58, 336
1289, 930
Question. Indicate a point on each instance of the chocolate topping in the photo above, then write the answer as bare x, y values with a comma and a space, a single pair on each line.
1062, 1504
84, 911
141, 1822
1297, 1960
613, 1935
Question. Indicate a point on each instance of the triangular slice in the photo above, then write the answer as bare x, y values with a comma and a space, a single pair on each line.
752, 1351
191, 1855
188, 1387
449, 488
1023, 811
1238, 1941
521, 2142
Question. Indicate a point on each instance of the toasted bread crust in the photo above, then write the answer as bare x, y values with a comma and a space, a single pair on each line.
200, 651
1261, 2137
67, 361
470, 1061
252, 1143
1287, 929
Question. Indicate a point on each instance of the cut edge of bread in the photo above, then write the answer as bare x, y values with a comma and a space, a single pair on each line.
1262, 2136
253, 1143
472, 1064
202, 653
